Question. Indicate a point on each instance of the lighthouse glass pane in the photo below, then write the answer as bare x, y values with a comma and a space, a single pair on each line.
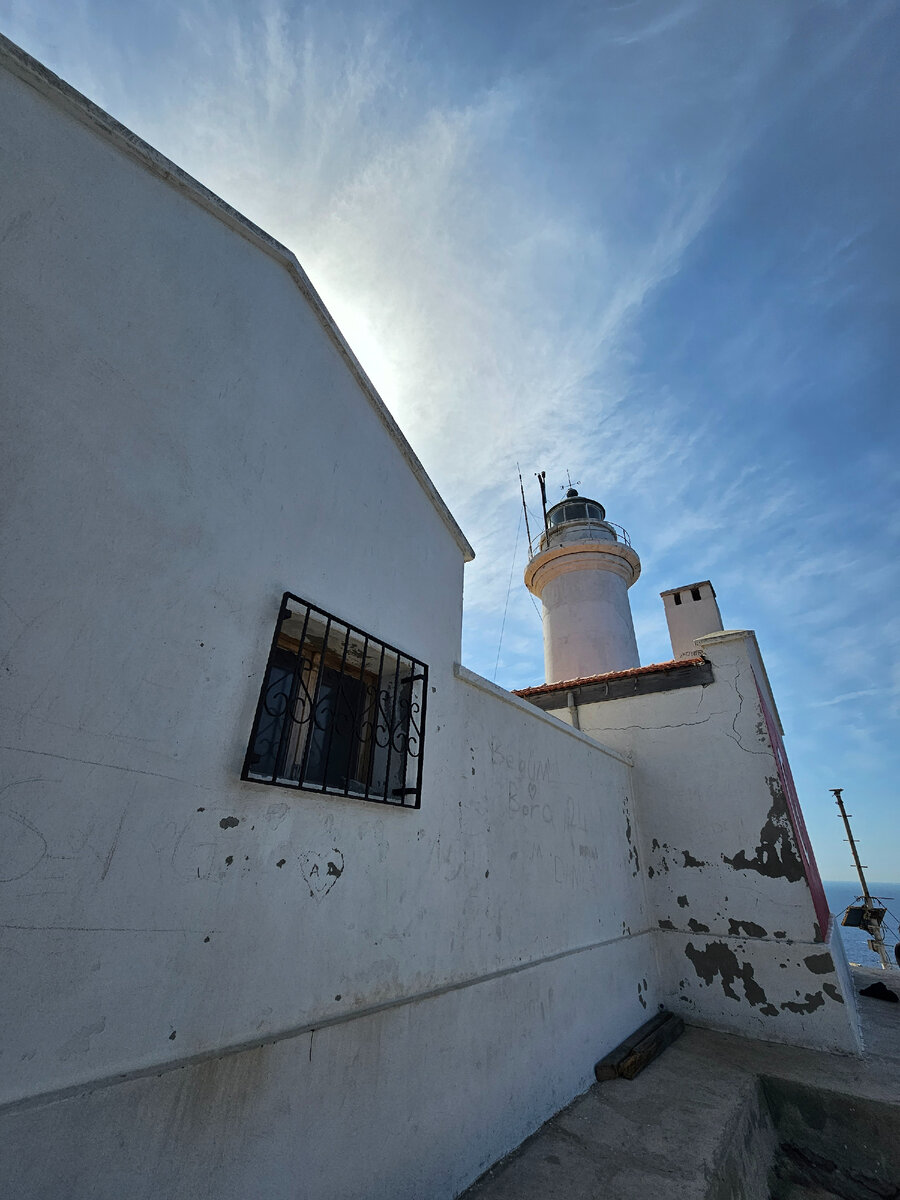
339, 711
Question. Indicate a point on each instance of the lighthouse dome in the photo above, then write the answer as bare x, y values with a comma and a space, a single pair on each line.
575, 508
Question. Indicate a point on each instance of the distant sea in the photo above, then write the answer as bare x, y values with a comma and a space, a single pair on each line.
840, 894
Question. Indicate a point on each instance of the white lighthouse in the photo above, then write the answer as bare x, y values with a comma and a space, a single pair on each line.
581, 572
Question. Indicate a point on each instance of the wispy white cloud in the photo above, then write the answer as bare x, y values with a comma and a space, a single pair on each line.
496, 253
848, 696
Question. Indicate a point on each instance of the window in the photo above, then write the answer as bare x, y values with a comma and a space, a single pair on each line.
580, 510
695, 593
339, 712
676, 599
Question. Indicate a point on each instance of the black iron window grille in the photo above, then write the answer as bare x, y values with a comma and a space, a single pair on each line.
339, 711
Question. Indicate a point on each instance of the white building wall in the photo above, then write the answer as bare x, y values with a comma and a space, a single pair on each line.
194, 1006
738, 941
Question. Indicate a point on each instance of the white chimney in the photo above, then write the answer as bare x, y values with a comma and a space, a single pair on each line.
691, 612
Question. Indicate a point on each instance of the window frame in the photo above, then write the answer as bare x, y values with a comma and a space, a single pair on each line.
386, 733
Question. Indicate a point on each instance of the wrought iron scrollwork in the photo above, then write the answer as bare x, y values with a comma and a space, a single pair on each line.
339, 711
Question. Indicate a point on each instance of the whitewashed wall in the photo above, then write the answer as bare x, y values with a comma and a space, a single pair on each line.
191, 1009
739, 945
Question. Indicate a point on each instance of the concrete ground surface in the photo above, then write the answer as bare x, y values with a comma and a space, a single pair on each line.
719, 1117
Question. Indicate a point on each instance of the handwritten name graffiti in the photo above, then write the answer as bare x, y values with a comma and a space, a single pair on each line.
526, 775
528, 767
524, 809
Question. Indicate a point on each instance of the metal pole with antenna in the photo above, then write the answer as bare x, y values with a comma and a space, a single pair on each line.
871, 914
525, 510
542, 480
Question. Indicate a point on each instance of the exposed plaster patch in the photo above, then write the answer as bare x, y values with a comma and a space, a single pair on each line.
632, 848
813, 1001
749, 927
820, 964
776, 855
720, 959
682, 901
690, 861
830, 990
697, 926
229, 823
665, 925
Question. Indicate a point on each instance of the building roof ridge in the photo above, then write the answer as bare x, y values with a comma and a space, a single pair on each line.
32, 72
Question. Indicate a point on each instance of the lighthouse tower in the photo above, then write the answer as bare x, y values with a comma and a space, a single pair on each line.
581, 572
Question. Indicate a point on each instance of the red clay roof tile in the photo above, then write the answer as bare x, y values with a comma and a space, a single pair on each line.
567, 684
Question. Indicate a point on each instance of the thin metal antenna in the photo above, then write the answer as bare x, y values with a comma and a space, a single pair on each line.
871, 914
508, 590
525, 510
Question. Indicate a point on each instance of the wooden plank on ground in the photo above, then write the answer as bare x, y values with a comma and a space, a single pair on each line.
631, 1056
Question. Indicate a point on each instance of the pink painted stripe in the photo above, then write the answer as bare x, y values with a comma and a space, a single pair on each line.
811, 870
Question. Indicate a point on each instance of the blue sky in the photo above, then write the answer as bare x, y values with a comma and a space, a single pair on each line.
654, 244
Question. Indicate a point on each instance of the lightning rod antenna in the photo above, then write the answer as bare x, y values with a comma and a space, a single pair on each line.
525, 510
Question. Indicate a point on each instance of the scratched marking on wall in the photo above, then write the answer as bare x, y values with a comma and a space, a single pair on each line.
321, 870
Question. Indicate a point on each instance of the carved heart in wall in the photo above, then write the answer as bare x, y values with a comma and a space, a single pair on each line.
321, 870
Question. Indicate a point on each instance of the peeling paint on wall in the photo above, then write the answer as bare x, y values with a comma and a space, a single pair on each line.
632, 847
719, 959
813, 1001
776, 854
750, 928
820, 964
690, 861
